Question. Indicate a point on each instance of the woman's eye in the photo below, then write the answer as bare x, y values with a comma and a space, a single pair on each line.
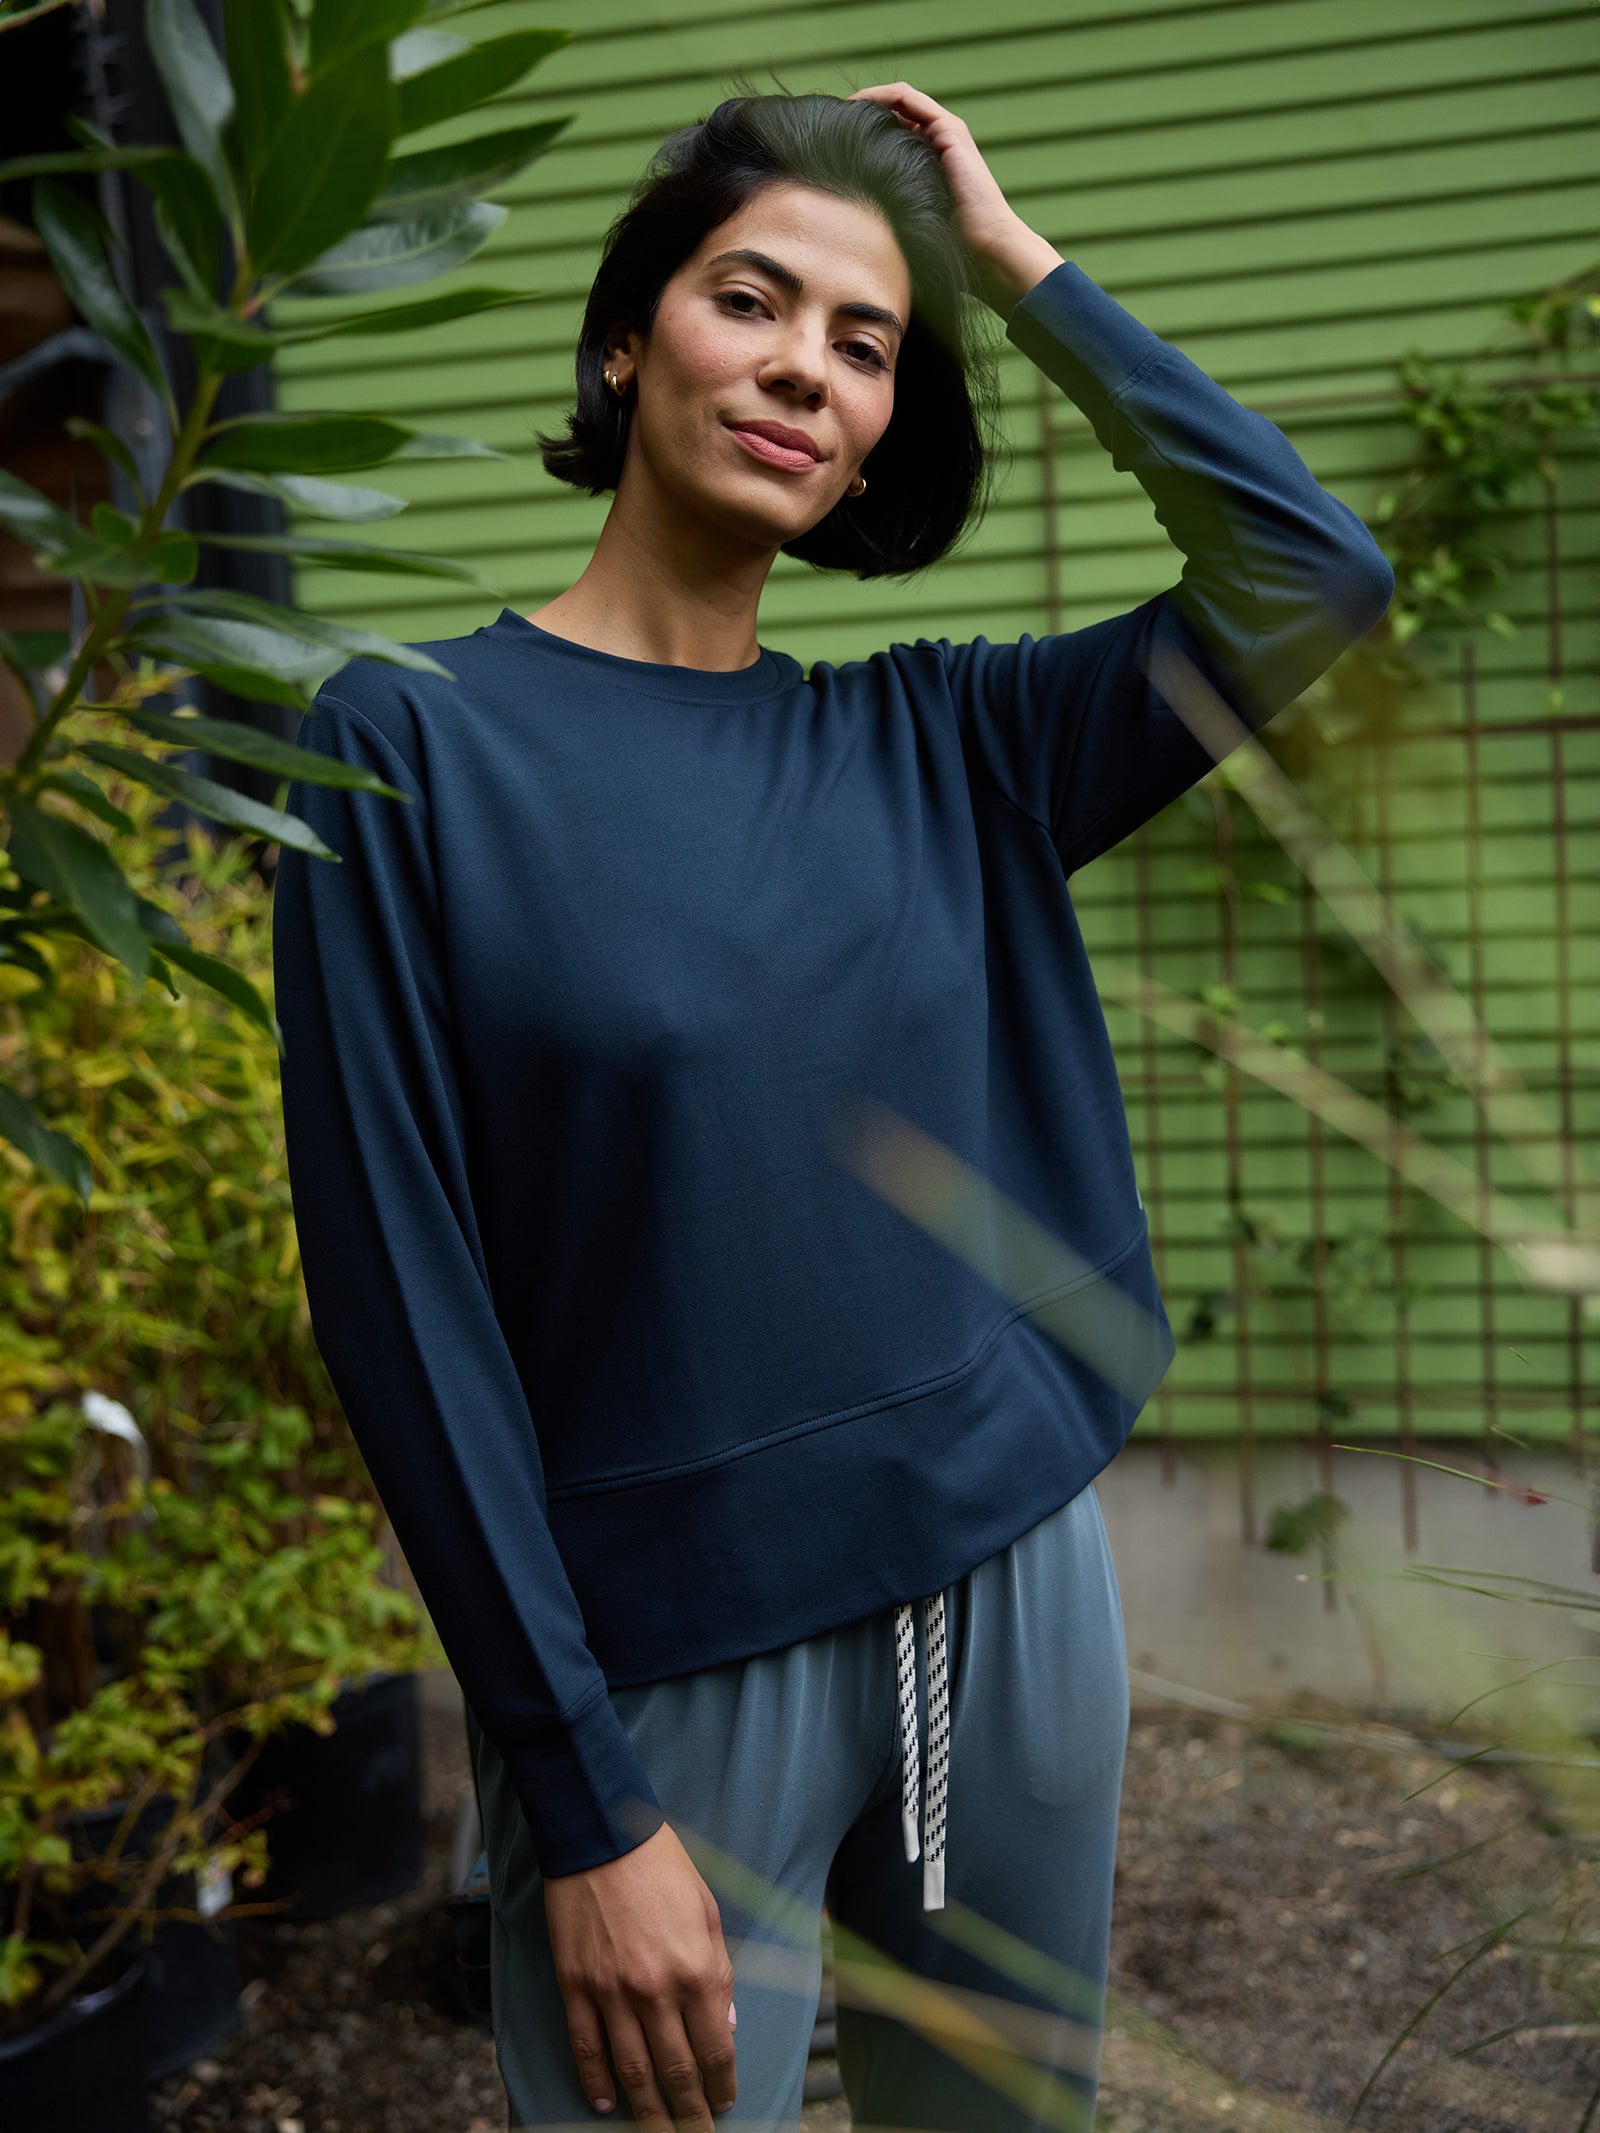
872, 354
864, 350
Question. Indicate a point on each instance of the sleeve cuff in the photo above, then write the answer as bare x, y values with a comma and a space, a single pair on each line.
583, 1790
1081, 338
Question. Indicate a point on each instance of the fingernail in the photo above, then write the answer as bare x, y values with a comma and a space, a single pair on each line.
602, 2103
733, 2016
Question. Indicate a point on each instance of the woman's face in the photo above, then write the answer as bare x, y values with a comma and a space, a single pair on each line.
787, 317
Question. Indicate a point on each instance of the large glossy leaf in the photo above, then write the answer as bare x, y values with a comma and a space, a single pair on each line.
418, 50
229, 356
433, 178
251, 661
162, 974
160, 925
439, 444
87, 794
54, 1153
469, 78
30, 515
387, 255
56, 855
258, 64
86, 133
63, 161
115, 448
245, 608
406, 318
62, 548
222, 339
318, 499
207, 797
232, 984
198, 90
173, 558
187, 221
168, 559
342, 26
347, 555
323, 167
266, 751
70, 229
251, 683
279, 443
114, 525
31, 651
101, 562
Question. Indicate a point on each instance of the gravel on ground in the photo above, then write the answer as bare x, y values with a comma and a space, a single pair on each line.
1290, 1895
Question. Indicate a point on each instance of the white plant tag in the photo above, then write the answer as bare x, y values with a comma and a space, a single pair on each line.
213, 1888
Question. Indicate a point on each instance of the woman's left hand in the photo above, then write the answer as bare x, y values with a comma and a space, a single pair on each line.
1009, 256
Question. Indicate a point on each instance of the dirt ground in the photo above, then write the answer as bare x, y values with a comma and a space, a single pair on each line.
1283, 1911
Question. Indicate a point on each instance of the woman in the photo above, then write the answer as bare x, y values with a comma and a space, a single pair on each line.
629, 1057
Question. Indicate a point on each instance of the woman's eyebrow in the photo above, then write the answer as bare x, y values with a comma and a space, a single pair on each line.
787, 279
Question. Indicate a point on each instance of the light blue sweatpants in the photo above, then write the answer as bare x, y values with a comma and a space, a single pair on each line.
781, 1775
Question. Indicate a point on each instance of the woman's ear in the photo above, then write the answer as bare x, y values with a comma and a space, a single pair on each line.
621, 357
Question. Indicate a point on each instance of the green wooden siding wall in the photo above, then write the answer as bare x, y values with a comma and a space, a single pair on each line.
1294, 193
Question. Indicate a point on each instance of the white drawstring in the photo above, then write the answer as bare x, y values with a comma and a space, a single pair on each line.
938, 1741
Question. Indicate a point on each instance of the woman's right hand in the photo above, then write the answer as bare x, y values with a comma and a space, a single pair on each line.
639, 1956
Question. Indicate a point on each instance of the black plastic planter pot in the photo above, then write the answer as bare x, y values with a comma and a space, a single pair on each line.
84, 2069
191, 2002
345, 1825
468, 1910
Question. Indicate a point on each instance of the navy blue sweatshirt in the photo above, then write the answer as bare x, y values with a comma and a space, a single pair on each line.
649, 1373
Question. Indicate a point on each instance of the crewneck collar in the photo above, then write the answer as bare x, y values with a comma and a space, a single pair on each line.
768, 674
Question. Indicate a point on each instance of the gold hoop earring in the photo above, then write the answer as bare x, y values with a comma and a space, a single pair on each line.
614, 382
858, 487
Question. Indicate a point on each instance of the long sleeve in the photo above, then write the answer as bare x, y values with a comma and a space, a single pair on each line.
400, 1298
1279, 577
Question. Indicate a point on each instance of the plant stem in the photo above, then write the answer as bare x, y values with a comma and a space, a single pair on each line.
26, 1878
103, 630
195, 1817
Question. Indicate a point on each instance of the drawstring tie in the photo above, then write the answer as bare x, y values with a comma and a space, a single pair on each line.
938, 1741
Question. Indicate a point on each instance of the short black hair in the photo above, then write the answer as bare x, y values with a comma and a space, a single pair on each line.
930, 472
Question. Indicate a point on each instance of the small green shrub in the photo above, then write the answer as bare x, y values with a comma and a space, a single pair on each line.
191, 1556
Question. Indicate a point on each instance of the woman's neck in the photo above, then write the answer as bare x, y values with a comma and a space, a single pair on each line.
675, 594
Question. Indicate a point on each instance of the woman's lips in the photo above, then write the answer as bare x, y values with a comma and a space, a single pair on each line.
775, 455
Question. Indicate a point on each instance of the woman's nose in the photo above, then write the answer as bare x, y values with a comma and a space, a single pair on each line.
801, 365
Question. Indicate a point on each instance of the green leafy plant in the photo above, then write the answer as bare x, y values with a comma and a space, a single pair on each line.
233, 1605
1486, 447
1487, 432
191, 1556
1484, 444
291, 182
187, 1573
1522, 1718
181, 1283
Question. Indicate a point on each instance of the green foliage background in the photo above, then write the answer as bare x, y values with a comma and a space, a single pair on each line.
179, 1291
